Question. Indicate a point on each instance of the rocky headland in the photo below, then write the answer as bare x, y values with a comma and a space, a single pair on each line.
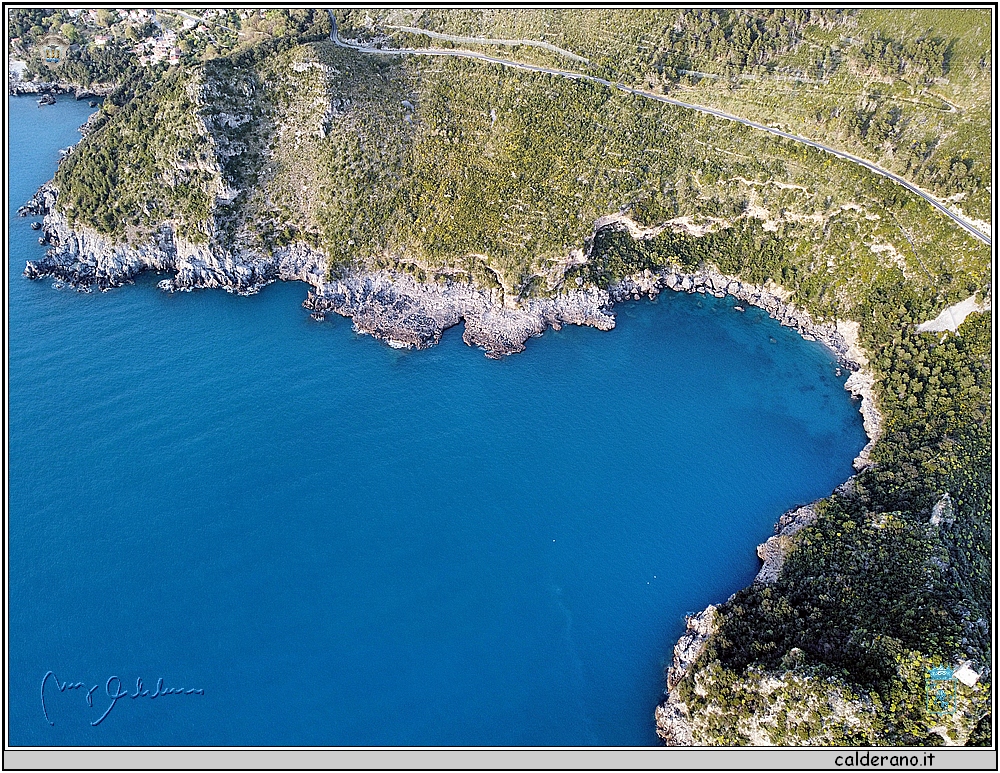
672, 722
388, 305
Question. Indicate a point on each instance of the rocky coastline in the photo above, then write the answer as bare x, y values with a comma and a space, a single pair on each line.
673, 724
388, 305
17, 87
405, 313
396, 308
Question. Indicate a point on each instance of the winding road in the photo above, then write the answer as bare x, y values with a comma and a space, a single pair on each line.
465, 54
493, 42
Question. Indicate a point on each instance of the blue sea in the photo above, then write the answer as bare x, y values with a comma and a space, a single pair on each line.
320, 540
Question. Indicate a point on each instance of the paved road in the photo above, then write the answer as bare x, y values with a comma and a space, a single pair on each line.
464, 54
494, 42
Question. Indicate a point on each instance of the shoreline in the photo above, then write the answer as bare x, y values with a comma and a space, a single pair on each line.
394, 307
19, 88
840, 338
397, 309
388, 305
672, 720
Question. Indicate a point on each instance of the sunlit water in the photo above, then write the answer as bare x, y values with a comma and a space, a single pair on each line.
339, 543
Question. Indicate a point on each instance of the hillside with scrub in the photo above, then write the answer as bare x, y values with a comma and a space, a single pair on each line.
452, 170
909, 89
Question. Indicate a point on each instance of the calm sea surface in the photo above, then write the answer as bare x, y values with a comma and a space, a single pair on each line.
339, 543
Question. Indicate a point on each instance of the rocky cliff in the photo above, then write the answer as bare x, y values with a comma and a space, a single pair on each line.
17, 86
388, 305
393, 306
673, 723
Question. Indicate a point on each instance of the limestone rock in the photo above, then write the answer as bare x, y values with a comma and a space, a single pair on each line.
773, 551
673, 723
943, 511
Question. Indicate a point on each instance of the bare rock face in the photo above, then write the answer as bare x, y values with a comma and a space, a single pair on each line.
388, 310
861, 385
773, 552
634, 287
17, 86
943, 511
390, 306
673, 723
405, 313
85, 259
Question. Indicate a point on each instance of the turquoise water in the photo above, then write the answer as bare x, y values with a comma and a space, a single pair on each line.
339, 543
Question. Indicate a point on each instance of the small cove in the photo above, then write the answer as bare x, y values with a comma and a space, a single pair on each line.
346, 544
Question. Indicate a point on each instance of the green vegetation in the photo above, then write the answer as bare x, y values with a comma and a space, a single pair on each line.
447, 167
111, 63
106, 44
909, 89
922, 58
30, 25
144, 165
84, 64
874, 592
745, 249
